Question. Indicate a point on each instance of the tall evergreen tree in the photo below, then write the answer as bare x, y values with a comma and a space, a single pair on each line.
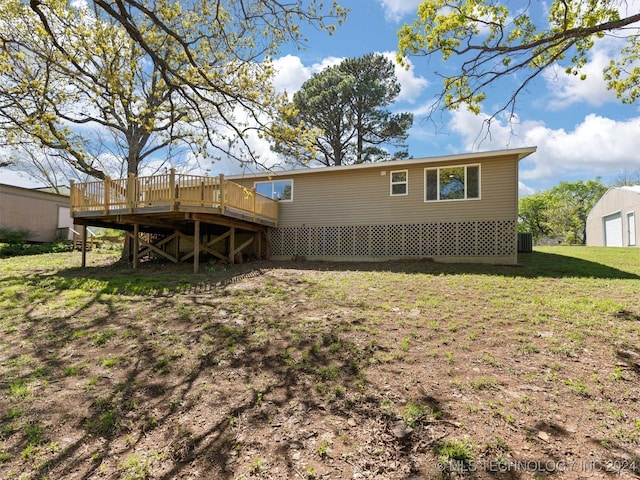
345, 109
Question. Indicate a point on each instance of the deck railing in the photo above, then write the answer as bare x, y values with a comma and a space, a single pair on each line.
170, 189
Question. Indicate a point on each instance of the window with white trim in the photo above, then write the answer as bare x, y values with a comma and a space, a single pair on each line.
399, 182
461, 182
276, 189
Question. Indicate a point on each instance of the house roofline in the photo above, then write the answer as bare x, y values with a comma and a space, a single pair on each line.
625, 188
630, 188
37, 191
519, 152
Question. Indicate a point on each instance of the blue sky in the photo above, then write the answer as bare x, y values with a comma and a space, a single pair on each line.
580, 129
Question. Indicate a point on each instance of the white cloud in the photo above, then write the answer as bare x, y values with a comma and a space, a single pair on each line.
598, 146
326, 62
524, 190
19, 179
394, 10
412, 85
568, 90
291, 73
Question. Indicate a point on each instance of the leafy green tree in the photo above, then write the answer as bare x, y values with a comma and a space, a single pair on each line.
492, 41
569, 206
344, 109
106, 84
533, 215
561, 210
66, 106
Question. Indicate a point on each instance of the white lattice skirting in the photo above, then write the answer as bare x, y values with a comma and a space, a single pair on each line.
443, 239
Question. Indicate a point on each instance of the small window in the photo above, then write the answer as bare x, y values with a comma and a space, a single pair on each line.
452, 183
276, 189
400, 182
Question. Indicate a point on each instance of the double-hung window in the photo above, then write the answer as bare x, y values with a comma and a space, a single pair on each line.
276, 189
452, 183
399, 182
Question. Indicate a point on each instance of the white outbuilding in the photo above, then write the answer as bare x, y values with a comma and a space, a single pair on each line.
615, 220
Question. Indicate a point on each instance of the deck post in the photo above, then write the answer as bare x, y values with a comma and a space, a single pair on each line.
177, 245
84, 246
107, 193
222, 193
232, 245
259, 234
72, 191
173, 193
196, 246
136, 244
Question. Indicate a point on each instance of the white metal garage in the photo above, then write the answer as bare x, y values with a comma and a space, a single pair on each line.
619, 229
613, 230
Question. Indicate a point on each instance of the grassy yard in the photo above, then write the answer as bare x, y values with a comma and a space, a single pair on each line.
399, 370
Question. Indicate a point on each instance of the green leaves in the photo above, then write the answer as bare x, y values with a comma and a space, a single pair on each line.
492, 42
107, 85
562, 210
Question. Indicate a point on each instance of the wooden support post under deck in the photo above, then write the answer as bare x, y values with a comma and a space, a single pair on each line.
196, 246
232, 245
259, 235
136, 244
84, 246
176, 250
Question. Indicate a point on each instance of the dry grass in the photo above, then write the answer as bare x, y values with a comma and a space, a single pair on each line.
301, 370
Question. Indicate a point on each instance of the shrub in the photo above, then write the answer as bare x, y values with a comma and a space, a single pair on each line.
14, 236
17, 249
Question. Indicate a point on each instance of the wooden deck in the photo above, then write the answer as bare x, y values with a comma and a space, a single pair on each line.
174, 208
171, 192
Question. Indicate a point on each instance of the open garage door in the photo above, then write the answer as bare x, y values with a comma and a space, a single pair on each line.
613, 230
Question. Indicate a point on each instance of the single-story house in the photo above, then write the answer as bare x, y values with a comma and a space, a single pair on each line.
456, 208
45, 215
613, 220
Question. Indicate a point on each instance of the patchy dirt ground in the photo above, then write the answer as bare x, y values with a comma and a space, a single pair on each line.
320, 371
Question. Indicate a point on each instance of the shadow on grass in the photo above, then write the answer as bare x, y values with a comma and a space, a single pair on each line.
157, 278
152, 278
154, 391
532, 265
177, 364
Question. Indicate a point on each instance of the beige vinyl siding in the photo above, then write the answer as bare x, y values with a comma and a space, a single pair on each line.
22, 208
361, 196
